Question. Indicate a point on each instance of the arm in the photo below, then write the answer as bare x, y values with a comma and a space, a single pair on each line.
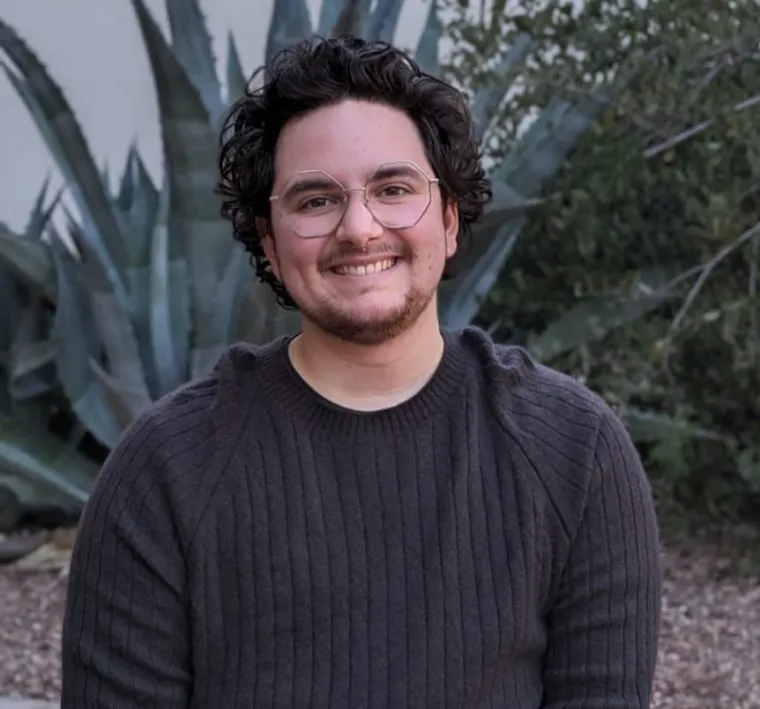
603, 627
126, 631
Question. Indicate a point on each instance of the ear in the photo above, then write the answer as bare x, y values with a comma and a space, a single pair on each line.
451, 227
268, 245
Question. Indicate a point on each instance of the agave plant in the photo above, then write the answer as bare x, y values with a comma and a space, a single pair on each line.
155, 287
36, 466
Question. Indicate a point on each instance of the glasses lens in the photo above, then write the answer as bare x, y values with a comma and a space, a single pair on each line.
313, 203
398, 195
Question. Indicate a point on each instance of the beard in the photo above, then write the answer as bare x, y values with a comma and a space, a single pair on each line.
370, 328
372, 325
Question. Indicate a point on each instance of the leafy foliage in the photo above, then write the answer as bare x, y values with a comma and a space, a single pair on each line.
640, 273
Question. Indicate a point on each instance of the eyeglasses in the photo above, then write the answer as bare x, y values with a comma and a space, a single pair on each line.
314, 203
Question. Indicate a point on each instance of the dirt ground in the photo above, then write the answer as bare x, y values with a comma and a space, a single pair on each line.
709, 648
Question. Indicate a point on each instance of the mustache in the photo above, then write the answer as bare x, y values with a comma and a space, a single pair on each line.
348, 250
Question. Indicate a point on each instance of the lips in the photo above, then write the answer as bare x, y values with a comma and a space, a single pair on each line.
365, 269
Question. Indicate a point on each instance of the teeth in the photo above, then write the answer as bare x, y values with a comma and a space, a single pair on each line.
376, 267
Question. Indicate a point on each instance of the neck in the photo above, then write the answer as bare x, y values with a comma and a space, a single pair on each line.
369, 378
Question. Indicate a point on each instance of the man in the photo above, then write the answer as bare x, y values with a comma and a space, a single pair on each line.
375, 512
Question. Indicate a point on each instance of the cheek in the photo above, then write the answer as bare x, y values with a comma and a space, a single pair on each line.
298, 258
431, 244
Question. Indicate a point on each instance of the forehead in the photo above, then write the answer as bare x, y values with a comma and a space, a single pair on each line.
349, 140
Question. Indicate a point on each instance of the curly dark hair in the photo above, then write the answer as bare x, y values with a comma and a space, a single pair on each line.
318, 72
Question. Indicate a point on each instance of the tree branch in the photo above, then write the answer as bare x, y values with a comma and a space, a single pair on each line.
707, 268
698, 128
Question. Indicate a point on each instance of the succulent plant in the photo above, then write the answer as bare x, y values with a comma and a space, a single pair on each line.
155, 288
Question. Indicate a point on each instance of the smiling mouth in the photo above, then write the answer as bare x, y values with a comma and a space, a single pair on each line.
367, 269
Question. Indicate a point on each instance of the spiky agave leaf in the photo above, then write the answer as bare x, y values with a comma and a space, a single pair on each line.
38, 208
124, 386
192, 46
31, 357
30, 354
59, 128
11, 290
557, 130
384, 20
598, 315
460, 299
41, 212
353, 19
42, 469
427, 48
138, 203
27, 354
652, 427
169, 293
77, 344
328, 17
487, 98
105, 177
290, 22
506, 205
190, 150
236, 79
521, 175
29, 259
36, 469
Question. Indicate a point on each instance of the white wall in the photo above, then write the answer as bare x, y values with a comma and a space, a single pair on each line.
94, 50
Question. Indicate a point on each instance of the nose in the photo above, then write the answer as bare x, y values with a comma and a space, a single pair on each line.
358, 225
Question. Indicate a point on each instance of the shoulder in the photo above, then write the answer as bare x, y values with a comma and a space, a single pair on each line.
210, 405
179, 448
557, 432
537, 395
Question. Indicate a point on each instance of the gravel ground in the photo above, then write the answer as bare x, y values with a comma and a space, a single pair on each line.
709, 650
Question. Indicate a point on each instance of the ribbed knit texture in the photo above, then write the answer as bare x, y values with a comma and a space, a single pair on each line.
489, 543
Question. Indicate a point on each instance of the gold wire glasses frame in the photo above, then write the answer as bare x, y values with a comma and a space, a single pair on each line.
397, 195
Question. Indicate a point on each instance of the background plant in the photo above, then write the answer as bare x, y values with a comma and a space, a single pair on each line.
154, 287
656, 209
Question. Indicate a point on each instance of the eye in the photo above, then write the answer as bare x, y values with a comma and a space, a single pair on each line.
316, 203
394, 191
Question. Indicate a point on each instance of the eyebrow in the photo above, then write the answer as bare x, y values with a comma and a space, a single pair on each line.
310, 184
396, 171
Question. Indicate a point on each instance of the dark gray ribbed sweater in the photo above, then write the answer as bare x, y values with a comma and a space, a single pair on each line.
489, 543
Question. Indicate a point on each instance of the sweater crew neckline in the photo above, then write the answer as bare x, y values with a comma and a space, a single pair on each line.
283, 385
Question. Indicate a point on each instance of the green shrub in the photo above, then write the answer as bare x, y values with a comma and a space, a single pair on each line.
663, 194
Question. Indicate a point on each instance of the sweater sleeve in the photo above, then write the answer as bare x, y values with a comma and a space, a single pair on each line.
604, 625
125, 632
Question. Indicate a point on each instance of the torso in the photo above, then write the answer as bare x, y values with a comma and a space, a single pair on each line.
401, 558
366, 573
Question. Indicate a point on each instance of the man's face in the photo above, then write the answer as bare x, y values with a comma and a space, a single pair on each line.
362, 281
